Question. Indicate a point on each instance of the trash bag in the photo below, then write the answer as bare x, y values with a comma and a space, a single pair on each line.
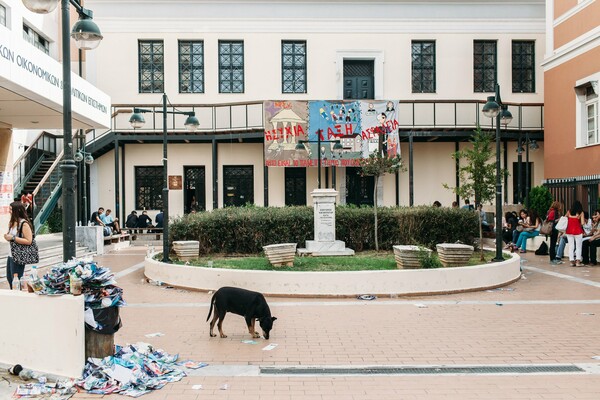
107, 320
542, 250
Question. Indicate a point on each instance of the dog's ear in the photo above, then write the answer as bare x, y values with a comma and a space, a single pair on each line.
273, 318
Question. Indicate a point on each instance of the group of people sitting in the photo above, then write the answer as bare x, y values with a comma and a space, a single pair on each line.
112, 226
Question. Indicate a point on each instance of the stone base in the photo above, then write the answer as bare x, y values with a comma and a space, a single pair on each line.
332, 248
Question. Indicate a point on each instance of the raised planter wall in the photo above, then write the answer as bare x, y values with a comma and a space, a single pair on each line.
401, 282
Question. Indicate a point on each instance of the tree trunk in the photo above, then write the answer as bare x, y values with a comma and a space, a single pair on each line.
375, 211
480, 235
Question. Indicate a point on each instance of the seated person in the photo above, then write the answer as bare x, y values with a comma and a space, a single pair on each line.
144, 221
532, 229
509, 227
590, 246
485, 226
95, 218
132, 220
108, 220
159, 219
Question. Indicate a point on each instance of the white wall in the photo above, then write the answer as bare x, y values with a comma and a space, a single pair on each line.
43, 333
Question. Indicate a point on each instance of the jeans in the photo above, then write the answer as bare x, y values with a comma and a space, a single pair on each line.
522, 242
561, 247
575, 247
515, 234
13, 268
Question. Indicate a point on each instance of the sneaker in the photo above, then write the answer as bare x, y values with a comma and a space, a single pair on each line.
559, 261
555, 262
522, 251
579, 264
572, 263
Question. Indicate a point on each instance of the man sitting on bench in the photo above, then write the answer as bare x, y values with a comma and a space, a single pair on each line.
144, 221
108, 220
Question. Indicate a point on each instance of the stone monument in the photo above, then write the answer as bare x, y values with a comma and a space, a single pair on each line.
324, 213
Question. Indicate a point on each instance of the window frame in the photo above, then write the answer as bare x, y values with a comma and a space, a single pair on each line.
518, 86
157, 180
193, 70
232, 68
591, 101
155, 69
422, 68
293, 67
34, 38
487, 86
3, 15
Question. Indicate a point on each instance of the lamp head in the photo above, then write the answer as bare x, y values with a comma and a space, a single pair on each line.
89, 159
533, 146
491, 108
41, 6
78, 157
86, 34
137, 119
192, 123
505, 116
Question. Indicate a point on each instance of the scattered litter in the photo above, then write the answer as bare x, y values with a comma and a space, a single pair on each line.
501, 289
192, 364
197, 387
499, 304
133, 371
270, 347
169, 287
586, 313
596, 357
421, 305
523, 277
366, 297
15, 369
60, 390
393, 296
155, 334
225, 386
249, 341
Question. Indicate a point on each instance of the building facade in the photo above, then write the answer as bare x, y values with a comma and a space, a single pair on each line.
572, 75
229, 62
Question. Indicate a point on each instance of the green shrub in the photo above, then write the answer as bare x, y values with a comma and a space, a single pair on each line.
539, 200
55, 220
244, 230
428, 259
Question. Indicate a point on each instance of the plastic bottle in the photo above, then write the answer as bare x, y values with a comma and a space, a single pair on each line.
23, 283
36, 283
16, 284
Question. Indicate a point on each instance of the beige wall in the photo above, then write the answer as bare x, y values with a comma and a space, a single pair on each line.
6, 165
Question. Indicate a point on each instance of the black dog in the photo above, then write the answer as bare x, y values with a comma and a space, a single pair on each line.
251, 305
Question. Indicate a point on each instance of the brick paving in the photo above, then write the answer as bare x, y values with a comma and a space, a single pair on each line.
544, 319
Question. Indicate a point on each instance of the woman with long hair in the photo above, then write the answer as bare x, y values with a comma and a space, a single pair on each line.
554, 213
530, 229
574, 233
20, 231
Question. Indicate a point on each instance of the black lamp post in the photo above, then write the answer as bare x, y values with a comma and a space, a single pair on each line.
493, 109
191, 123
87, 36
337, 150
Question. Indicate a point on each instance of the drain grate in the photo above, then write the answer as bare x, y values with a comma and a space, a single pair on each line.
411, 370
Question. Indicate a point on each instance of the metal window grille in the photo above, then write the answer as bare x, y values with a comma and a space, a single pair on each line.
31, 36
151, 55
484, 65
191, 66
293, 67
148, 186
238, 185
523, 66
231, 67
359, 68
2, 15
195, 180
423, 67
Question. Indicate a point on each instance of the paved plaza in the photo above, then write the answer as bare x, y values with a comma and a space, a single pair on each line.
549, 318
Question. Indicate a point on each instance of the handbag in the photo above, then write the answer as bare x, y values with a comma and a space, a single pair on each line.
519, 228
562, 223
546, 228
24, 253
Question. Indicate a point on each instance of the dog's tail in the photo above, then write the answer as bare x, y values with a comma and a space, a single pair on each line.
212, 302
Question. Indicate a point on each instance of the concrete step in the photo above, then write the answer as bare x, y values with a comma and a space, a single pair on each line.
49, 256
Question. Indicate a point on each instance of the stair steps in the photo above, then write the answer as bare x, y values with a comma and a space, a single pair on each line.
49, 256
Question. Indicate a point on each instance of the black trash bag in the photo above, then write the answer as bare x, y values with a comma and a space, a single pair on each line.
108, 320
542, 250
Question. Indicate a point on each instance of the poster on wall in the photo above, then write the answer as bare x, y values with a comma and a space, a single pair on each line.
380, 127
6, 191
286, 123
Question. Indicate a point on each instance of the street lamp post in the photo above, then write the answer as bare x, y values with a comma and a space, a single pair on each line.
493, 109
191, 124
87, 36
337, 150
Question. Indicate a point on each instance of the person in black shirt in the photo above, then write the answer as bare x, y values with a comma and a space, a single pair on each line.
144, 221
95, 218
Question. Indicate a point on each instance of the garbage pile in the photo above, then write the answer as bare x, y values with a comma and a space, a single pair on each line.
98, 286
133, 371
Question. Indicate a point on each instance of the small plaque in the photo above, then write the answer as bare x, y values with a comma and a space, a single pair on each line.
175, 182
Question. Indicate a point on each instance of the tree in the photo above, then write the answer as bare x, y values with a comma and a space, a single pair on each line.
377, 165
539, 199
478, 174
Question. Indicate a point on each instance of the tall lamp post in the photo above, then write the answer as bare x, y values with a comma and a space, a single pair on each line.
87, 37
493, 109
191, 123
337, 151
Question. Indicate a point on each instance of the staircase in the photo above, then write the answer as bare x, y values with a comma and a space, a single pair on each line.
49, 257
35, 179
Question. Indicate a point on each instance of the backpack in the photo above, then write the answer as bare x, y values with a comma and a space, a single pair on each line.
542, 250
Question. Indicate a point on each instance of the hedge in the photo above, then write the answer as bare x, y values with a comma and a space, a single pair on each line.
244, 230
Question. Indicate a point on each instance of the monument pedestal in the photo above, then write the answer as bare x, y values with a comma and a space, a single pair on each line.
324, 212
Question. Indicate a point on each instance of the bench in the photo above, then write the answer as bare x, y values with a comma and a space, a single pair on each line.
117, 238
149, 234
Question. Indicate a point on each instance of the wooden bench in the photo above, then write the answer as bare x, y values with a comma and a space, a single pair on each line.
149, 234
117, 238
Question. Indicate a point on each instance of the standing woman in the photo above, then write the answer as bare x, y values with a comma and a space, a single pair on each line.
574, 233
554, 213
19, 231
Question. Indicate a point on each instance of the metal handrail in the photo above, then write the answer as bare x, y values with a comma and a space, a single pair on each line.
48, 173
26, 152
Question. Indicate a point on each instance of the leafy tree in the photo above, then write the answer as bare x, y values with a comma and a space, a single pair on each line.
478, 172
377, 165
539, 199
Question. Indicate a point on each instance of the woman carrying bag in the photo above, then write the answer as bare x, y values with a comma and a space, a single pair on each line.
554, 213
574, 233
22, 245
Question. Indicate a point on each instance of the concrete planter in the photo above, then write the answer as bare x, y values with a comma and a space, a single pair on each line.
454, 254
186, 249
281, 254
407, 257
